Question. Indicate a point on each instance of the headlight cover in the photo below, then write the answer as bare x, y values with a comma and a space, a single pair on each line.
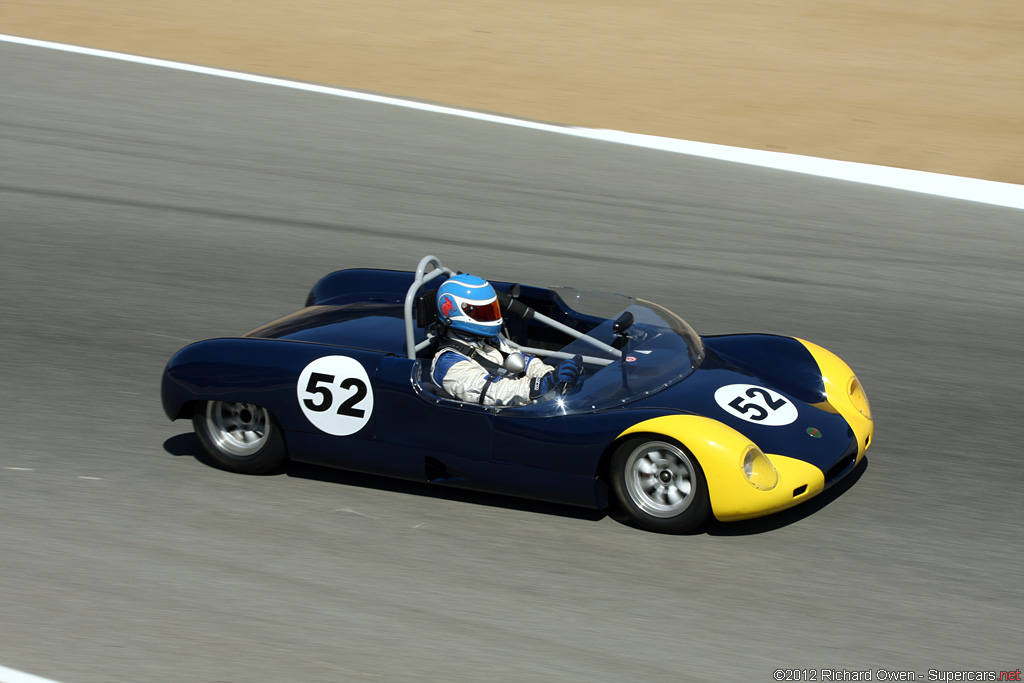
858, 398
758, 469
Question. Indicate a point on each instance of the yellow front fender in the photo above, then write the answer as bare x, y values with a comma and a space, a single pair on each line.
720, 449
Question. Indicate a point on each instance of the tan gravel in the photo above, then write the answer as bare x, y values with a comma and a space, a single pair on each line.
934, 85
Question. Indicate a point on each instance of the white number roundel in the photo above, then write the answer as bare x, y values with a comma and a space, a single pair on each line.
756, 404
335, 395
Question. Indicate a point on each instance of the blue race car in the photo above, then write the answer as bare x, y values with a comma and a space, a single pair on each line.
674, 426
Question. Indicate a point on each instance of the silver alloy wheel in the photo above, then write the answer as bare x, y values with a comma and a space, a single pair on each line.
239, 429
660, 479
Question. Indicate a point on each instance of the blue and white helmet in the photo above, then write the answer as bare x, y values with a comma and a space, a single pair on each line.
467, 303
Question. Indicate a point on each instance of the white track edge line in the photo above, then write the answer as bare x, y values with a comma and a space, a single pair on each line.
954, 187
15, 676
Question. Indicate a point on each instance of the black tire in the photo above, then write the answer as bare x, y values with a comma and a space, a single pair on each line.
660, 485
240, 437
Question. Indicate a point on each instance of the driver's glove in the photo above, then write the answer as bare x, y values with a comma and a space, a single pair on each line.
570, 371
564, 377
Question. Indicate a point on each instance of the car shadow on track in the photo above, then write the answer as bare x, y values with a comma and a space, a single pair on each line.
188, 445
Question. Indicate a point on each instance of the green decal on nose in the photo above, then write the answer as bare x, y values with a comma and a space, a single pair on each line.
814, 432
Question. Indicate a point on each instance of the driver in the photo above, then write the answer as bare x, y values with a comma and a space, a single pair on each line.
474, 365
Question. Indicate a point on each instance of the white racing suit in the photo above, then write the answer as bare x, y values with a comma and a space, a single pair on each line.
472, 369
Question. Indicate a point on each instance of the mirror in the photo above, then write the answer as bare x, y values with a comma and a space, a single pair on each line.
622, 323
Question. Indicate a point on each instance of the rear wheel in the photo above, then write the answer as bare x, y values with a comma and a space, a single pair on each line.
241, 437
660, 484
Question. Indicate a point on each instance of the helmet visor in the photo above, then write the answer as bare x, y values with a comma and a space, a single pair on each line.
483, 313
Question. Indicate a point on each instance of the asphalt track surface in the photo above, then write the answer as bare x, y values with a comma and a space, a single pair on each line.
141, 209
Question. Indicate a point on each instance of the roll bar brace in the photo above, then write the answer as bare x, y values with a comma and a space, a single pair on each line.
423, 276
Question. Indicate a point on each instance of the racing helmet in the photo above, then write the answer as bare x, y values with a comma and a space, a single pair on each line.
468, 303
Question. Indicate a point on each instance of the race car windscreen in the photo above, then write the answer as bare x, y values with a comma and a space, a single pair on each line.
661, 349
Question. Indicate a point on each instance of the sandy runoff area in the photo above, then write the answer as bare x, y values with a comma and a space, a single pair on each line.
933, 85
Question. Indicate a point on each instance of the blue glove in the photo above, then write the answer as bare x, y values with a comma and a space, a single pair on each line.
564, 377
569, 371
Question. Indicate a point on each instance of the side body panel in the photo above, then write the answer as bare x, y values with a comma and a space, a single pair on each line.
261, 371
267, 372
481, 448
568, 451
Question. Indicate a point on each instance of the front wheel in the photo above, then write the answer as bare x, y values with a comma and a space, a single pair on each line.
660, 485
241, 437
